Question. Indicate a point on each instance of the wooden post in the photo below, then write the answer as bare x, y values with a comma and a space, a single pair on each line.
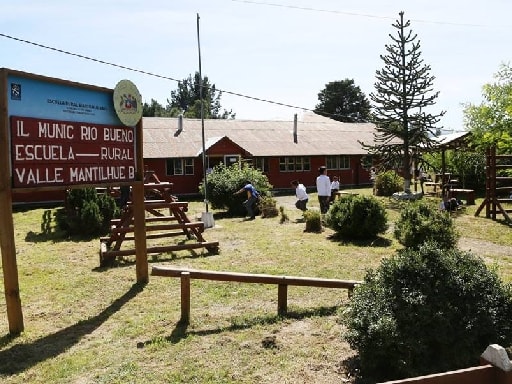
139, 213
185, 297
139, 222
282, 299
7, 245
9, 265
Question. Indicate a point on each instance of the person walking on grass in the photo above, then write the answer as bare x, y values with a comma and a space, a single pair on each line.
252, 198
301, 194
323, 187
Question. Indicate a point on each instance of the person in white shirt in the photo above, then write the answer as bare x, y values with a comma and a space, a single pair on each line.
302, 195
323, 187
335, 187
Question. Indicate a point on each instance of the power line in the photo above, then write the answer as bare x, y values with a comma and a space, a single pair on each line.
310, 9
84, 57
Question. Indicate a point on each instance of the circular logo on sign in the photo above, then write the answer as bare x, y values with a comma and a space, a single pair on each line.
127, 103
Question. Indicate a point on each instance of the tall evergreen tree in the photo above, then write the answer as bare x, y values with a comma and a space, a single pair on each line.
342, 100
403, 90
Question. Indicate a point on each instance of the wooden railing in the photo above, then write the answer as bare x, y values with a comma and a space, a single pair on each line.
484, 374
281, 281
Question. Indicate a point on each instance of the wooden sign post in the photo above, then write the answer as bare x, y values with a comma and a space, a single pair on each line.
9, 265
55, 134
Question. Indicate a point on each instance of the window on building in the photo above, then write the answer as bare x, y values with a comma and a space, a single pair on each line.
180, 166
231, 159
294, 164
260, 163
337, 162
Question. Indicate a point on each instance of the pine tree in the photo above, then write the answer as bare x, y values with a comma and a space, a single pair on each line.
403, 90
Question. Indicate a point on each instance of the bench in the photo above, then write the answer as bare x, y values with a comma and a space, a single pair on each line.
434, 186
338, 194
466, 194
281, 281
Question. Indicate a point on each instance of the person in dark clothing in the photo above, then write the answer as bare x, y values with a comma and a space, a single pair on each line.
252, 198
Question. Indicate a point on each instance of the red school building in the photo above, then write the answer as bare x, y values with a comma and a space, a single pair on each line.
282, 150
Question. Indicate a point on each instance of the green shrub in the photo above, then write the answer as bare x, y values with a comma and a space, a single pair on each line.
283, 215
358, 217
267, 206
313, 219
387, 183
90, 220
224, 181
86, 212
422, 221
427, 310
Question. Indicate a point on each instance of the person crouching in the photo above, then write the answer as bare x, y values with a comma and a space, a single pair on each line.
301, 194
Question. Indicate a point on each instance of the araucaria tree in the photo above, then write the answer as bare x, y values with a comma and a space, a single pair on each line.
403, 90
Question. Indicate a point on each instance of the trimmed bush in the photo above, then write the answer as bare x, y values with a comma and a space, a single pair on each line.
224, 181
313, 219
425, 311
387, 183
357, 217
267, 205
422, 221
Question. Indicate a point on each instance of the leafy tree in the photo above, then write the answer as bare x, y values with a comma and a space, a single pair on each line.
187, 100
402, 93
490, 122
343, 101
154, 109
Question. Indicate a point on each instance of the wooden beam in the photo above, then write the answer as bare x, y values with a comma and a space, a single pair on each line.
255, 278
7, 241
161, 227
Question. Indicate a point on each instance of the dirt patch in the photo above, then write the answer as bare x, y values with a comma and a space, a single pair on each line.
483, 248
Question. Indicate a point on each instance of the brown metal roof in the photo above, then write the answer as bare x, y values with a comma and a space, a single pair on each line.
316, 135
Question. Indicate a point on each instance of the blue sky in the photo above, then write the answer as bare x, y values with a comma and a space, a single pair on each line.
279, 50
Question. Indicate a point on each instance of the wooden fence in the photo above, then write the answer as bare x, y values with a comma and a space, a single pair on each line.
281, 281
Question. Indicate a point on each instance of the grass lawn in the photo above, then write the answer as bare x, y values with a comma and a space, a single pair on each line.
86, 324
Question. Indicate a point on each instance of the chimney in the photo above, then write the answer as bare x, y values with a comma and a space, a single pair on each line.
180, 125
180, 122
295, 128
